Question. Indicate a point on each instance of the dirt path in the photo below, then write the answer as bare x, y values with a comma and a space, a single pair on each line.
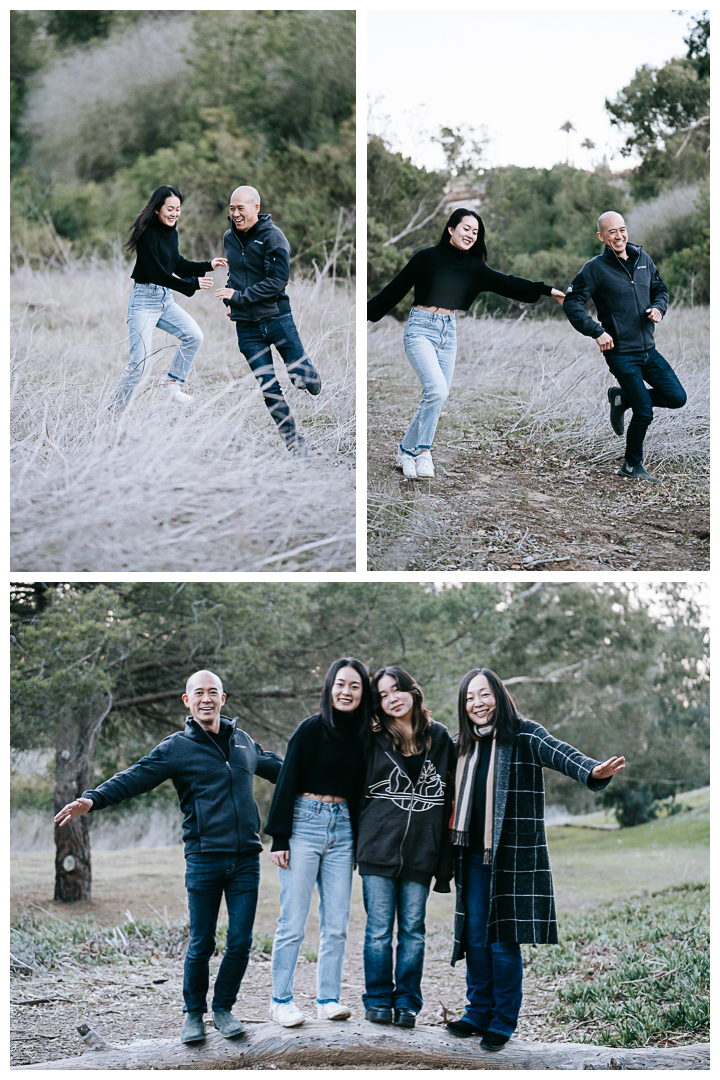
501, 502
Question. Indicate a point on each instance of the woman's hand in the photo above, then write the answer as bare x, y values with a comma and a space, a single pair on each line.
218, 262
559, 296
281, 859
205, 282
225, 294
73, 809
608, 768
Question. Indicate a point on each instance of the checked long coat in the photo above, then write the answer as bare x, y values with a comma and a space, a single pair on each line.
522, 904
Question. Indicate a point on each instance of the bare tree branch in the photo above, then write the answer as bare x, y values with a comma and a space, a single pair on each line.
412, 226
686, 140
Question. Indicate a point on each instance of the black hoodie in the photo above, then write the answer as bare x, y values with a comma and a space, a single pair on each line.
215, 790
404, 827
258, 271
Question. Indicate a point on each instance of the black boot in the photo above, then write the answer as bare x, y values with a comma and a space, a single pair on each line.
193, 1028
617, 410
464, 1028
493, 1040
404, 1018
637, 472
379, 1015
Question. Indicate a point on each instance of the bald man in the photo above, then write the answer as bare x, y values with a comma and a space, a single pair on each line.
630, 298
211, 764
258, 272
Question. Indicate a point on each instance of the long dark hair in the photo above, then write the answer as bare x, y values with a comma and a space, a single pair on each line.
144, 218
363, 710
478, 250
420, 716
507, 718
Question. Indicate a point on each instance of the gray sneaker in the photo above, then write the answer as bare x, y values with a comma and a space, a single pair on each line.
193, 1028
298, 448
227, 1024
637, 472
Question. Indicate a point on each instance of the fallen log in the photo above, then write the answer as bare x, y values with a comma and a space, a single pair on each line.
364, 1046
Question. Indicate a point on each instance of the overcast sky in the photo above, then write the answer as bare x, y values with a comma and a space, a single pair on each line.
520, 73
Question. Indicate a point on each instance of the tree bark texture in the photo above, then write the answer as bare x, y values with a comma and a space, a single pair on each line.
74, 762
364, 1046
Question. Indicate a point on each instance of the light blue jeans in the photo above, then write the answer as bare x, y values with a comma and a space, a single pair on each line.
321, 850
430, 344
151, 306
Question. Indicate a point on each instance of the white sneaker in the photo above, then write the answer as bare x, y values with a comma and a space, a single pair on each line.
175, 395
424, 466
286, 1013
406, 462
332, 1010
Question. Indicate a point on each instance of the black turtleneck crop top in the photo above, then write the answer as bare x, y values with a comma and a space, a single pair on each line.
158, 258
446, 277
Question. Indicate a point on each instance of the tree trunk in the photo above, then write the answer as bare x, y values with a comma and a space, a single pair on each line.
73, 869
74, 761
361, 1045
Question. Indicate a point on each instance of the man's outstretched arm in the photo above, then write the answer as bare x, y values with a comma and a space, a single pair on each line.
146, 774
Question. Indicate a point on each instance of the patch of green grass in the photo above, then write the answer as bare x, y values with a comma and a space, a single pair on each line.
309, 954
635, 973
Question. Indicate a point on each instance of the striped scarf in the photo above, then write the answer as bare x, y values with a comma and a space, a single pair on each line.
464, 788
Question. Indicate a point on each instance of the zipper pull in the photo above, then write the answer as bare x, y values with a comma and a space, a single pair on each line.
228, 764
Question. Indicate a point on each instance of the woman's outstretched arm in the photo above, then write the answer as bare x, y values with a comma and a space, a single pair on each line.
515, 288
394, 292
564, 758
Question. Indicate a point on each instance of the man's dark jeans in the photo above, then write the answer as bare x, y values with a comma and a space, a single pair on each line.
494, 973
207, 877
632, 371
254, 341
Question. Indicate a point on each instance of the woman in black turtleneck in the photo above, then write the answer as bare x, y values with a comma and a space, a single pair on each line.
447, 277
159, 269
313, 821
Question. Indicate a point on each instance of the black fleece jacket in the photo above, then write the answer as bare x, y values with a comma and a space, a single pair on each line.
404, 827
258, 271
215, 791
321, 762
622, 292
446, 277
158, 258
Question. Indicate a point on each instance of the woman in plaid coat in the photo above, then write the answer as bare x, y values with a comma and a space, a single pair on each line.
504, 890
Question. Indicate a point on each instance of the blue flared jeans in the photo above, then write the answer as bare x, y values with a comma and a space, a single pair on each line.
430, 342
321, 853
494, 972
387, 899
150, 306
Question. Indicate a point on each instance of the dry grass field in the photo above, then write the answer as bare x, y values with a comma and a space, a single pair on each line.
164, 490
526, 460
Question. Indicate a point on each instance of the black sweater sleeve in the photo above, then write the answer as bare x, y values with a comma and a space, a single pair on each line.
515, 288
399, 287
184, 268
280, 819
447, 851
149, 252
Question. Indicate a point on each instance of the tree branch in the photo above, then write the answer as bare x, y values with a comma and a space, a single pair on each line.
686, 140
411, 226
165, 695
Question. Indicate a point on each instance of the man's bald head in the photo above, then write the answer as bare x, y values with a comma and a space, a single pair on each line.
204, 698
205, 677
247, 193
244, 207
612, 230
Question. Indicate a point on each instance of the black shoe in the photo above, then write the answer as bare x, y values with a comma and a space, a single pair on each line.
617, 411
464, 1028
379, 1015
493, 1040
637, 472
404, 1018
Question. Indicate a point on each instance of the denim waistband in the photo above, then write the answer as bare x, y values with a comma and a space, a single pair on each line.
150, 285
318, 805
431, 315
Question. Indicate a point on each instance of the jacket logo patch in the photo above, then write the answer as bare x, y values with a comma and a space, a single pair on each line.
428, 792
569, 288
